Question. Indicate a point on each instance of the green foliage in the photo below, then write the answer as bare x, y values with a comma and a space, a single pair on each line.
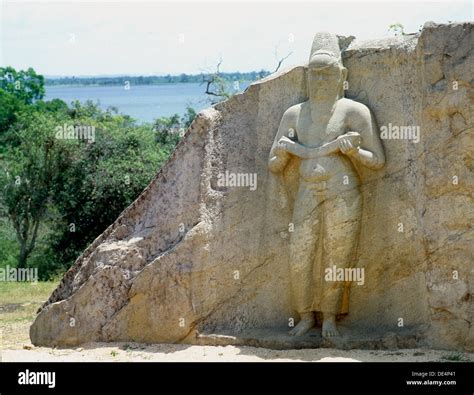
397, 29
102, 179
10, 105
188, 117
53, 106
218, 88
8, 243
19, 89
30, 165
27, 86
59, 190
169, 129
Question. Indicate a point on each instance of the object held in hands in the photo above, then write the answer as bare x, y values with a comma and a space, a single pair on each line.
287, 145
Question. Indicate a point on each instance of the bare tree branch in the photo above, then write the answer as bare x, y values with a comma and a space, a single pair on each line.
215, 85
280, 61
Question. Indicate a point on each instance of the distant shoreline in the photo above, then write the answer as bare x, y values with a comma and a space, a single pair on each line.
116, 84
154, 80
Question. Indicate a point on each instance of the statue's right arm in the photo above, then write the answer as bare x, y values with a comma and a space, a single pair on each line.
278, 157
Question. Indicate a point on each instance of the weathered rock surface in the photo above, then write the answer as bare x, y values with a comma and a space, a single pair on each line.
190, 260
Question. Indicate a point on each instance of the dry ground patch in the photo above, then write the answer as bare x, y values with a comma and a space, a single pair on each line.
19, 302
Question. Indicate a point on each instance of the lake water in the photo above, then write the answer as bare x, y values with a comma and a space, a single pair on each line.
142, 102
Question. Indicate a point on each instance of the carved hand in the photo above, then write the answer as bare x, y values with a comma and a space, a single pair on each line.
284, 145
278, 158
349, 143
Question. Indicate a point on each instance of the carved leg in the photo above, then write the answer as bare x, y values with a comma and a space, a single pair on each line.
306, 220
341, 227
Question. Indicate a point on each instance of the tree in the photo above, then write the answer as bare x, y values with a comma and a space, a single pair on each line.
397, 28
279, 59
17, 89
29, 167
10, 105
102, 178
59, 192
216, 85
26, 85
168, 130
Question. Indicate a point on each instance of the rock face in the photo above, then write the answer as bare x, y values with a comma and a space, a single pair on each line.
196, 261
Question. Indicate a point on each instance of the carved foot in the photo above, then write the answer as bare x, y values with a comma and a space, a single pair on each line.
329, 326
306, 323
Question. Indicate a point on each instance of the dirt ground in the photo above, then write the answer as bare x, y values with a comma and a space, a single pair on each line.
19, 302
125, 352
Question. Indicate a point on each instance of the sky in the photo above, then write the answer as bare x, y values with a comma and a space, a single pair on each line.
155, 37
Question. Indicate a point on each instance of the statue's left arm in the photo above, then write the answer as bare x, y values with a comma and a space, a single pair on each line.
370, 153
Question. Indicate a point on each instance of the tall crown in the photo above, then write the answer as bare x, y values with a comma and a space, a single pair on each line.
325, 51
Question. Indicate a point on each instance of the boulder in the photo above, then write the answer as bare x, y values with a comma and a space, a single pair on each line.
196, 261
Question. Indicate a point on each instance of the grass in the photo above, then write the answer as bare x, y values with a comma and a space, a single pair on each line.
456, 357
19, 302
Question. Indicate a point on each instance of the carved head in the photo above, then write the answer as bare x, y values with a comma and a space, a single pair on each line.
326, 73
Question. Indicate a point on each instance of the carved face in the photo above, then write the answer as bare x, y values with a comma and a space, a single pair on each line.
326, 83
